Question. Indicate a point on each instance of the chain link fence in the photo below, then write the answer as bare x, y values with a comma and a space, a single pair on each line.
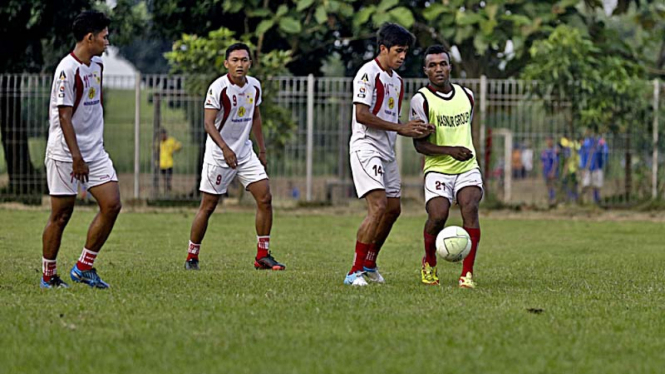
511, 131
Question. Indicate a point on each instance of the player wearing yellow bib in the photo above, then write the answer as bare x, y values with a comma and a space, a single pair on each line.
451, 169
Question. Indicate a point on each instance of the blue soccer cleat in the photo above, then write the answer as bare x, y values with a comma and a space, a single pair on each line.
356, 279
55, 282
88, 277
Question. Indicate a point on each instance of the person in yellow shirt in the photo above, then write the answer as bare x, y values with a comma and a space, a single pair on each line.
571, 161
168, 145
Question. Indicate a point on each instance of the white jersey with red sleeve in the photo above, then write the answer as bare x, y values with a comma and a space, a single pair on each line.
419, 108
383, 93
234, 121
79, 86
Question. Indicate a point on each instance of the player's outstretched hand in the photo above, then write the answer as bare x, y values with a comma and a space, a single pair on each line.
230, 157
416, 129
430, 130
461, 153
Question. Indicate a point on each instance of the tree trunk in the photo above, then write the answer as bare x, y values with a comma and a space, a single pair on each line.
23, 177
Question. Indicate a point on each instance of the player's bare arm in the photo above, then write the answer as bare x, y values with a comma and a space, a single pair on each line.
79, 167
428, 149
412, 129
209, 121
257, 130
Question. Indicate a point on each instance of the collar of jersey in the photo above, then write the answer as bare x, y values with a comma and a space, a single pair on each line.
234, 83
441, 94
381, 67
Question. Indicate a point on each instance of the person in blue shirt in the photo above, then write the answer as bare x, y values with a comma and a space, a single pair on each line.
593, 156
549, 158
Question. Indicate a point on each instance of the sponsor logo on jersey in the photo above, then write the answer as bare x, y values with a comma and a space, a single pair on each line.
241, 111
91, 93
62, 76
250, 99
365, 78
97, 78
210, 92
61, 95
453, 121
62, 89
413, 113
391, 103
361, 92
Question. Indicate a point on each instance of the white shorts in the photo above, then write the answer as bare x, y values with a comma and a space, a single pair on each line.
215, 179
61, 181
592, 178
370, 173
448, 185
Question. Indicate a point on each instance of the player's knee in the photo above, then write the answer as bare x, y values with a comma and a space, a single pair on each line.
265, 201
61, 218
470, 209
394, 212
207, 208
377, 208
112, 208
438, 218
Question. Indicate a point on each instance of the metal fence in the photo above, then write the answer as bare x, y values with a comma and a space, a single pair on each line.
510, 128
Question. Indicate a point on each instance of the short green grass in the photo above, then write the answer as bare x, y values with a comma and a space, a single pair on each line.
598, 287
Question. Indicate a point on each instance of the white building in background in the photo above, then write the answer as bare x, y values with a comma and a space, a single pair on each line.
118, 72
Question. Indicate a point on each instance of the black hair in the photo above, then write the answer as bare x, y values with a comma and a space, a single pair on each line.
89, 21
238, 47
436, 49
392, 34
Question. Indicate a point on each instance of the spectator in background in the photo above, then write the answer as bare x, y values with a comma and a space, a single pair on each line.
593, 155
294, 190
516, 162
527, 159
570, 160
550, 161
168, 145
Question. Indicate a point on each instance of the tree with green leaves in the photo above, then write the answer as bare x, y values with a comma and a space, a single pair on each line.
312, 30
595, 87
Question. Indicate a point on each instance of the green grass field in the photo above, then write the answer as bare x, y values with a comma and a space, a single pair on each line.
600, 286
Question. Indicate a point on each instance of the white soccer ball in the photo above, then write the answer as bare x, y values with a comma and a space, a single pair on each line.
453, 244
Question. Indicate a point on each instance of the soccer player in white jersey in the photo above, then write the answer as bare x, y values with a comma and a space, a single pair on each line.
377, 100
451, 169
75, 151
231, 113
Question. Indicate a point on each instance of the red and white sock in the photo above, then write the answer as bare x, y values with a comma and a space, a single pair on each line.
193, 251
430, 248
262, 246
360, 256
372, 253
48, 269
86, 260
467, 266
